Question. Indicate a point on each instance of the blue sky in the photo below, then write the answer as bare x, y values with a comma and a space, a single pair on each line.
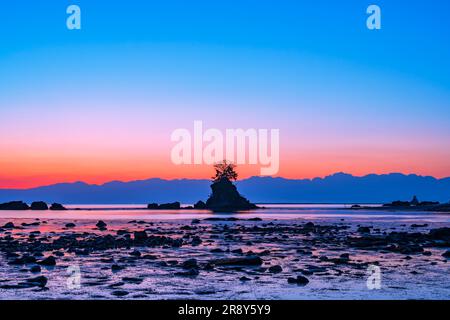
310, 68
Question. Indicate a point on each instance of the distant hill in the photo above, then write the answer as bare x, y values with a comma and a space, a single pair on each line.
337, 188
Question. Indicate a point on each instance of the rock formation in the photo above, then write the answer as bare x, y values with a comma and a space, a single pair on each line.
225, 197
14, 205
39, 205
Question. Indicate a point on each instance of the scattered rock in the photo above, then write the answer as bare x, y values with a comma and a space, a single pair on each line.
120, 293
140, 236
300, 280
101, 225
14, 205
57, 207
189, 264
244, 261
275, 269
190, 273
200, 205
70, 225
364, 230
35, 269
40, 281
49, 261
39, 205
116, 267
135, 253
9, 225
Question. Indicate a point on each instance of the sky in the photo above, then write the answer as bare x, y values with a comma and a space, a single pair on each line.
100, 103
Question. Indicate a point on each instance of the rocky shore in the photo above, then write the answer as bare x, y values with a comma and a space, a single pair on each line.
211, 257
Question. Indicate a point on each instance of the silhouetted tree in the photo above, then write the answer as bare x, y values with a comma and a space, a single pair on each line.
226, 170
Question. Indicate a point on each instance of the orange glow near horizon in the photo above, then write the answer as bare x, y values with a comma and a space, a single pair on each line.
40, 171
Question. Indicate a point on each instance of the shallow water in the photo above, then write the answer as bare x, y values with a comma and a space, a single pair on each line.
421, 277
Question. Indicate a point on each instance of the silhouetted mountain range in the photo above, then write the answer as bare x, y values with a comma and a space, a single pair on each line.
337, 188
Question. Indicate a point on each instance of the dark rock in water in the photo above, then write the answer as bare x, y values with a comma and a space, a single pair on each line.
8, 225
397, 203
244, 261
170, 206
225, 197
189, 264
300, 280
135, 253
196, 241
309, 226
57, 207
14, 205
132, 280
35, 269
244, 278
200, 205
345, 256
195, 221
101, 225
39, 205
40, 281
440, 234
26, 259
190, 273
70, 225
446, 254
116, 267
419, 225
364, 229
49, 261
149, 257
140, 236
164, 206
152, 206
275, 269
120, 293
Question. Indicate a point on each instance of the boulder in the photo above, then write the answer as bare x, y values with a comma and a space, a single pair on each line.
300, 280
49, 261
364, 229
241, 261
57, 207
9, 225
39, 205
170, 206
190, 264
440, 233
140, 236
40, 281
275, 269
14, 205
152, 206
101, 225
200, 205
